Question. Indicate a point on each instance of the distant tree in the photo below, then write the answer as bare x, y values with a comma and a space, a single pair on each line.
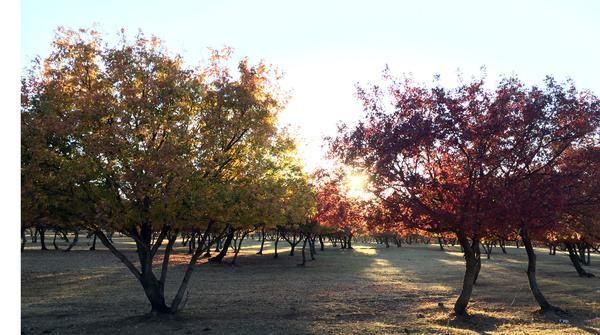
335, 208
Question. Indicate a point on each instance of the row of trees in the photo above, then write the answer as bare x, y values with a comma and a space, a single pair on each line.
481, 164
130, 139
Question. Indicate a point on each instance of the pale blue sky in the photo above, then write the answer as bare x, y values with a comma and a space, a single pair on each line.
325, 47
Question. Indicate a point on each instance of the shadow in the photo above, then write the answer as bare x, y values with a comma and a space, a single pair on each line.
366, 290
475, 322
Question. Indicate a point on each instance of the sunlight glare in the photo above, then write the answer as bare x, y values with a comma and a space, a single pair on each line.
357, 185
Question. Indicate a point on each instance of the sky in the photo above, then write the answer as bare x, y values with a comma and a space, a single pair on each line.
324, 48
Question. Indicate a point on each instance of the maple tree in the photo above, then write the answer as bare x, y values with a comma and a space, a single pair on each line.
470, 161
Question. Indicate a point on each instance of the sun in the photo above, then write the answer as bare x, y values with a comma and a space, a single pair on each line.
357, 185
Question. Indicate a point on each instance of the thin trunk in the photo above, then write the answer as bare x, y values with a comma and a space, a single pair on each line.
237, 248
219, 258
54, 241
165, 263
303, 253
118, 254
582, 247
311, 245
460, 307
321, 242
262, 241
531, 266
576, 262
475, 247
42, 232
175, 305
276, 244
93, 247
74, 242
488, 249
192, 243
218, 245
589, 259
503, 246
440, 242
350, 241
293, 247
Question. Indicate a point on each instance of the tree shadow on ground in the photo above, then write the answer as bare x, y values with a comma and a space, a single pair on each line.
493, 304
367, 290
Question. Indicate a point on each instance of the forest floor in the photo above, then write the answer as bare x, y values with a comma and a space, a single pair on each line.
368, 290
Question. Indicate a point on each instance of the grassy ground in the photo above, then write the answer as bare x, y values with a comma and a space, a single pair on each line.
370, 290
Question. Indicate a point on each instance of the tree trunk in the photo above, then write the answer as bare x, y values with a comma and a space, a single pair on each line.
146, 278
42, 232
153, 291
475, 247
54, 241
488, 249
531, 265
218, 245
219, 258
74, 242
350, 241
192, 243
502, 244
589, 259
460, 307
441, 244
321, 242
175, 305
576, 263
93, 247
303, 253
581, 246
311, 245
237, 248
262, 241
276, 244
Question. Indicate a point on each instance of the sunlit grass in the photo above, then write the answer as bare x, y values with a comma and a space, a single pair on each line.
368, 290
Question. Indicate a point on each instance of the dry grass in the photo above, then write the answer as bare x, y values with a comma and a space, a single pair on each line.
370, 290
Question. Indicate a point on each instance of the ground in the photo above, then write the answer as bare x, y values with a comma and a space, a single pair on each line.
368, 290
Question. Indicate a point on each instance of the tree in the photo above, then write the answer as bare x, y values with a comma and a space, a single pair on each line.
336, 209
468, 161
548, 122
579, 224
144, 145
